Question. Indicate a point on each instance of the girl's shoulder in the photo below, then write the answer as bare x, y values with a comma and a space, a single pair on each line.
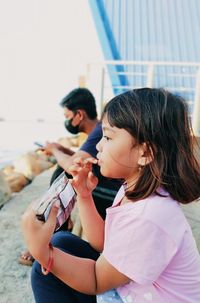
158, 208
162, 205
157, 212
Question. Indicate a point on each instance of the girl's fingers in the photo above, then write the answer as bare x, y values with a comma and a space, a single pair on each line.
27, 218
78, 160
51, 221
82, 161
29, 212
79, 164
75, 179
90, 160
92, 180
74, 169
88, 163
81, 170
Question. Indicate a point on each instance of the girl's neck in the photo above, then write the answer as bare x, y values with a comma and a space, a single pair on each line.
130, 182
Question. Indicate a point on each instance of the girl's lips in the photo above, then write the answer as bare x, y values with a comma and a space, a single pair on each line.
99, 161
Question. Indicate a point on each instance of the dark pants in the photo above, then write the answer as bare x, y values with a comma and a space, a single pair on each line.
57, 173
49, 289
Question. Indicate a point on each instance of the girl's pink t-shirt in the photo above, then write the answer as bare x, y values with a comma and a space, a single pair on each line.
150, 241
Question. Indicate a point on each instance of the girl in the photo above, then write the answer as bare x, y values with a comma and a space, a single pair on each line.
145, 251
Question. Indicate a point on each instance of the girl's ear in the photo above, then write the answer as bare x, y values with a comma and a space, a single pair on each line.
146, 155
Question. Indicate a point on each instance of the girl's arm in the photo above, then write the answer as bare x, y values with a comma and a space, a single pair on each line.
85, 275
84, 182
92, 223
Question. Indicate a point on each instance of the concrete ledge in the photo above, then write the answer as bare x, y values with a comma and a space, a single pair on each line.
15, 285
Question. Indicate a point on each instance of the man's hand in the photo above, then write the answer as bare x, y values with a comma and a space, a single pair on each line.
50, 147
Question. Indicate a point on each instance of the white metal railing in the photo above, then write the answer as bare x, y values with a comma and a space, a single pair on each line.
187, 72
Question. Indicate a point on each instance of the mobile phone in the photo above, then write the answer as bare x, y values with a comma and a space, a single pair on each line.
39, 144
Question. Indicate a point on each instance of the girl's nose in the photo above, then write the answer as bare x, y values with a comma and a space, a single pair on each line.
99, 145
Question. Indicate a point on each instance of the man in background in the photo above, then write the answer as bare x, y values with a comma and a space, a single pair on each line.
79, 109
80, 113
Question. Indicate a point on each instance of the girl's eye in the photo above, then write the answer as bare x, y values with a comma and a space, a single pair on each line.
107, 138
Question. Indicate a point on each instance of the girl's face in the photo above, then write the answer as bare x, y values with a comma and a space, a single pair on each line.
117, 153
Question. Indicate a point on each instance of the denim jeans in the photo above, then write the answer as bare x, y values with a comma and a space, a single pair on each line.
49, 289
110, 296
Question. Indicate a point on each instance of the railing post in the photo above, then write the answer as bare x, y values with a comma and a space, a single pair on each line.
150, 75
102, 89
82, 81
196, 111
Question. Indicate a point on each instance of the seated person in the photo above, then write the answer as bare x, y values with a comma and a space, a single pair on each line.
79, 108
81, 116
145, 250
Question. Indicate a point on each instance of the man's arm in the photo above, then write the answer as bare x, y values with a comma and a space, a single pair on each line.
51, 145
66, 150
66, 156
65, 160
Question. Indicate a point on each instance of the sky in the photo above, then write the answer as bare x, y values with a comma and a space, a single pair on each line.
45, 45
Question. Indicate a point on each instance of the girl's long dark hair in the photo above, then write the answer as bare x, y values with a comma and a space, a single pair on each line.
159, 119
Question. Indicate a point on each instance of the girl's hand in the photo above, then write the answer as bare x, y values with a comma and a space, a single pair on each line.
38, 234
84, 181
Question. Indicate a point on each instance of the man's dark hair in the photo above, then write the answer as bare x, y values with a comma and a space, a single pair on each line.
80, 98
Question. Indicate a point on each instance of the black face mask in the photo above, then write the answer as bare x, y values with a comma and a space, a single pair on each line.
72, 129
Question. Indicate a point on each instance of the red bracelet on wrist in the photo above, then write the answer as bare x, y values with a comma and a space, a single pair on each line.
45, 271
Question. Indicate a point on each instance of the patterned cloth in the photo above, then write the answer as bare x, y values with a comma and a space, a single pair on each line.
110, 296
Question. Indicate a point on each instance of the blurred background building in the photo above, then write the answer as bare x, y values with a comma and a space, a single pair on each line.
150, 43
50, 47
